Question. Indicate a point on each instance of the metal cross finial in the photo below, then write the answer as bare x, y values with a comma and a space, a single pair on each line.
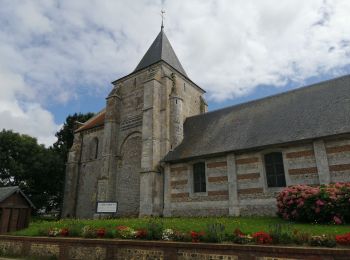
162, 12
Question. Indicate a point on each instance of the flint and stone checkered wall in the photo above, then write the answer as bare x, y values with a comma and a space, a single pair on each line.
313, 163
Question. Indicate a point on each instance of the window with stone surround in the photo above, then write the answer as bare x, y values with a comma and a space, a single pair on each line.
199, 180
274, 170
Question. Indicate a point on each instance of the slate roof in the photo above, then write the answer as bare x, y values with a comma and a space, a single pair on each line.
6, 192
161, 50
315, 111
95, 121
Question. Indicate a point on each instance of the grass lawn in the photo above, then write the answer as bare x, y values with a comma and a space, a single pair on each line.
245, 224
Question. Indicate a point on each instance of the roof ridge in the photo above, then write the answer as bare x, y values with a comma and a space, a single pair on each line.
302, 88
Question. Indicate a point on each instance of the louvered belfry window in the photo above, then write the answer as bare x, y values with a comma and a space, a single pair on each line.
199, 181
275, 170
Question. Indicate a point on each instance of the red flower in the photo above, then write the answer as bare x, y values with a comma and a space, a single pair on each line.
343, 239
100, 232
238, 232
196, 236
262, 237
64, 232
121, 228
141, 233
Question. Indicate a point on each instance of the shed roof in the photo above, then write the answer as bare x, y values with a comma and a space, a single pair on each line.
315, 111
6, 192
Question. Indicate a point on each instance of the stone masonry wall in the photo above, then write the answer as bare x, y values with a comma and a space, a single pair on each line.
212, 202
300, 165
103, 249
141, 139
128, 177
90, 170
338, 155
253, 196
127, 186
189, 93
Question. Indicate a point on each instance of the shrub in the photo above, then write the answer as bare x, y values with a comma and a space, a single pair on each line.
262, 237
43, 231
110, 233
240, 238
301, 238
323, 240
181, 236
321, 204
88, 232
74, 231
343, 239
215, 232
125, 232
281, 234
154, 230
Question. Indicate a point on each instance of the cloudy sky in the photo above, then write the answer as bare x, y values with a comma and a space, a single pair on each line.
58, 57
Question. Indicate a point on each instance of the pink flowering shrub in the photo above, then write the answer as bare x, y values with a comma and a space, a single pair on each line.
320, 204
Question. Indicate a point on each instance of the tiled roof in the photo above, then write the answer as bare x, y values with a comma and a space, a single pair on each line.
95, 121
306, 113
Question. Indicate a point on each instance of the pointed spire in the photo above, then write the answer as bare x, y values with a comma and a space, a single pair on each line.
161, 50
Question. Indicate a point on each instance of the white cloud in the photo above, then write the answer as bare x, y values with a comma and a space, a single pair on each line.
246, 43
51, 49
28, 118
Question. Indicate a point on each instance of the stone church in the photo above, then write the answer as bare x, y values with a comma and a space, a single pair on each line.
156, 150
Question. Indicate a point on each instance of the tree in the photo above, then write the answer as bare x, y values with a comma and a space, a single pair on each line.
65, 135
39, 171
36, 169
14, 157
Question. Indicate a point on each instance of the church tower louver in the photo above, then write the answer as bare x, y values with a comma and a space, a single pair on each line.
142, 122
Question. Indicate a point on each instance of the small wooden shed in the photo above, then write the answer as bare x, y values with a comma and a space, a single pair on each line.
15, 209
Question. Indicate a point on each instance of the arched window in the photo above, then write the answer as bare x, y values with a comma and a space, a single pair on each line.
274, 170
199, 181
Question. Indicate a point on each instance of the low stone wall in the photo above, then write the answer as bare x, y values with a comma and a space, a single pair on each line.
98, 249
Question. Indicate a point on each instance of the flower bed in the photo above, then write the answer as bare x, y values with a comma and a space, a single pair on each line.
215, 232
321, 204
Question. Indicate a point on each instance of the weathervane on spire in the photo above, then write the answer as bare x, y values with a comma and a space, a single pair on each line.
162, 12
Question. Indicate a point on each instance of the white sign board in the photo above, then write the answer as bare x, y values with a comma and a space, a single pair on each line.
106, 207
